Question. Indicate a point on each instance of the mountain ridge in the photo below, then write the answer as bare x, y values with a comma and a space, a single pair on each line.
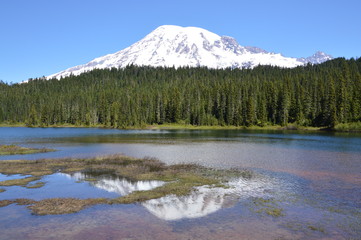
175, 46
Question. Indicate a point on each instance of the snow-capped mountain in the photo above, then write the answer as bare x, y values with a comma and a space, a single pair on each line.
317, 58
190, 46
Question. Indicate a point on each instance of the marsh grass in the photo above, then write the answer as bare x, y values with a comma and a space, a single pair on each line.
181, 179
19, 201
19, 182
90, 180
55, 206
14, 150
24, 201
304, 227
316, 228
4, 203
35, 185
268, 207
2, 190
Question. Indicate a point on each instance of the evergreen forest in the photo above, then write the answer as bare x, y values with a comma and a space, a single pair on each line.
314, 95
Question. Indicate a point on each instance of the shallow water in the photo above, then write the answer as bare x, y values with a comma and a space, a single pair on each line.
77, 185
314, 178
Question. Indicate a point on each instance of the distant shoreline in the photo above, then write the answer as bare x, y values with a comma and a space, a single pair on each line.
176, 126
346, 127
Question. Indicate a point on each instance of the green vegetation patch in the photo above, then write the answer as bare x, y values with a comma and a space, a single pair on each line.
2, 190
19, 201
183, 185
18, 182
319, 95
274, 127
316, 228
304, 227
36, 185
14, 150
268, 207
56, 206
348, 127
181, 179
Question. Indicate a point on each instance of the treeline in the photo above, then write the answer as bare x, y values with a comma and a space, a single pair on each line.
314, 95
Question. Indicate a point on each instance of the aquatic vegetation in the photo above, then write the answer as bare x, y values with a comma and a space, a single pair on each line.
180, 179
90, 179
267, 206
24, 201
183, 186
334, 209
56, 206
316, 228
36, 185
13, 150
19, 201
2, 190
19, 182
4, 203
311, 228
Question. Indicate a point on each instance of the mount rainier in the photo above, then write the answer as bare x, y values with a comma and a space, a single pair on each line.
176, 46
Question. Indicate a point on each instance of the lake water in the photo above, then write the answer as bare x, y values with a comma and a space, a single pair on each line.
314, 177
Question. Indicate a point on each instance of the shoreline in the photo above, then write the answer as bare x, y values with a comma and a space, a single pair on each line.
175, 126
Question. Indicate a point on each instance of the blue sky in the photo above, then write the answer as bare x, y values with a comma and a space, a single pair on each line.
42, 37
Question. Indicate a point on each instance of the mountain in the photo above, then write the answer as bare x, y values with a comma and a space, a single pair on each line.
190, 46
317, 58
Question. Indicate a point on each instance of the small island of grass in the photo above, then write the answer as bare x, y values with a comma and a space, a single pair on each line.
14, 150
180, 179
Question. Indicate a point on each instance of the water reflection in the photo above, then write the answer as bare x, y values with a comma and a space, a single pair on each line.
4, 177
315, 177
201, 202
114, 184
205, 200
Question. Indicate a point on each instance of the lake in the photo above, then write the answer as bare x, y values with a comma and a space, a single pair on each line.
314, 177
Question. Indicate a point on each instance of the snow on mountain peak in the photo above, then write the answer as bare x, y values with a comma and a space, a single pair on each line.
317, 58
171, 45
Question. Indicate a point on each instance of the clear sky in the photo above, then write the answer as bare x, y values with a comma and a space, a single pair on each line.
42, 37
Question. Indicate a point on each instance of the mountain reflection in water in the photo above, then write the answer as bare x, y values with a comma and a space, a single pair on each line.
201, 202
206, 200
118, 185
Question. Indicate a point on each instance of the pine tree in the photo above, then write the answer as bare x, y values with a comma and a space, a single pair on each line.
33, 119
332, 109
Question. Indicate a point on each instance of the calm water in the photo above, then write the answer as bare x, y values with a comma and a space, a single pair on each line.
314, 177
